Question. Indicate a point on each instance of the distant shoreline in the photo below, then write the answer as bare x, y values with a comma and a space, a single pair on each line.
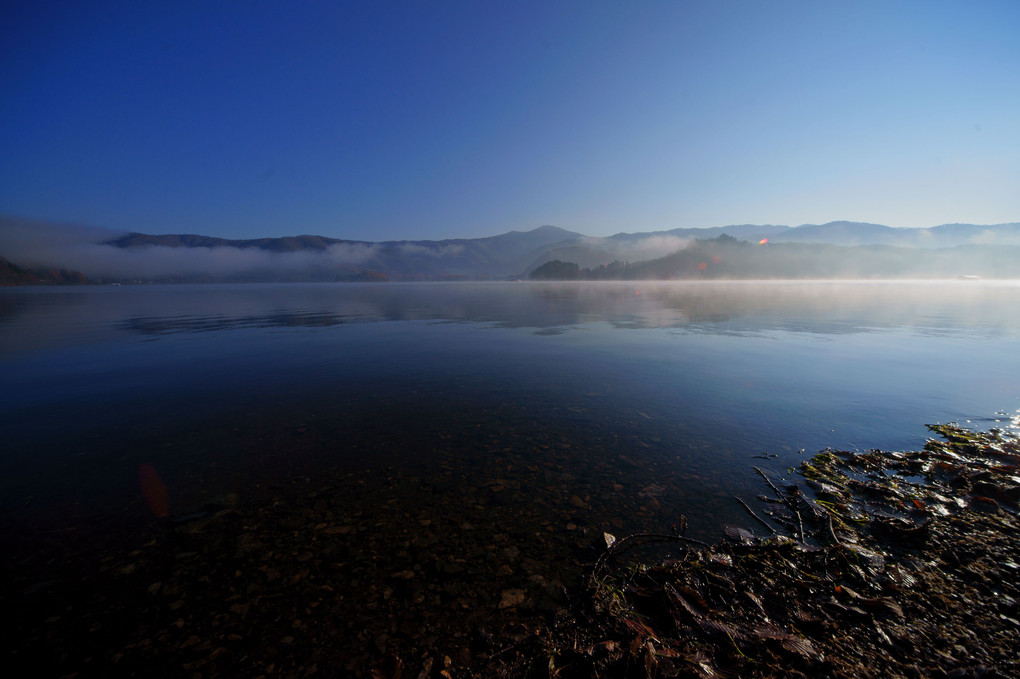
41, 253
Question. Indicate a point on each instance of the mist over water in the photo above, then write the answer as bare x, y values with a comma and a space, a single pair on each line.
677, 385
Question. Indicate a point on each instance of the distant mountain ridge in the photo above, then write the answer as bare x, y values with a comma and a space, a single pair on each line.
942, 236
12, 274
517, 253
188, 240
625, 247
198, 258
725, 257
493, 257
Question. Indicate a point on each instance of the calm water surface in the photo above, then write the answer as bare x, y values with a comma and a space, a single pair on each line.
361, 472
680, 385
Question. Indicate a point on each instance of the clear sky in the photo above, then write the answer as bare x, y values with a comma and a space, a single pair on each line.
429, 120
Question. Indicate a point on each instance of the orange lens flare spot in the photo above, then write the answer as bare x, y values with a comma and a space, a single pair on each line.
153, 491
763, 241
702, 266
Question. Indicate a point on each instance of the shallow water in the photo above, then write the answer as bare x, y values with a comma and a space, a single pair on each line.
210, 383
392, 468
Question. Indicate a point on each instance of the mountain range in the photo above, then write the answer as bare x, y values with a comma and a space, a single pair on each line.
991, 250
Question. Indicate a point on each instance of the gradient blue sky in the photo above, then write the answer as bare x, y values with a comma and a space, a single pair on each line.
430, 120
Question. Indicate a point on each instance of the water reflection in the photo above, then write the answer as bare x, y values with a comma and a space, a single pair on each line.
41, 317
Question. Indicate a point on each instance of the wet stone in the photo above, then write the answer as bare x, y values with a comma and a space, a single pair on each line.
576, 501
512, 597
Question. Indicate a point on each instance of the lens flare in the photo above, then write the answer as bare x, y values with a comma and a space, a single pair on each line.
153, 490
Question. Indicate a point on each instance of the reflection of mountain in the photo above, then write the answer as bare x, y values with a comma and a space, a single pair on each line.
733, 306
160, 325
836, 249
100, 314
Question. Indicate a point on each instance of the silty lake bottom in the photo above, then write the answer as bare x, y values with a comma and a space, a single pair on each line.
355, 473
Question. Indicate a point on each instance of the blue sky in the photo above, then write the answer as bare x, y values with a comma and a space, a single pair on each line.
431, 120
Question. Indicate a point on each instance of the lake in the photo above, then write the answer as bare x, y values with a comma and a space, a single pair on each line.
470, 438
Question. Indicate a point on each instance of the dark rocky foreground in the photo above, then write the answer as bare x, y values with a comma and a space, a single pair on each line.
874, 564
884, 565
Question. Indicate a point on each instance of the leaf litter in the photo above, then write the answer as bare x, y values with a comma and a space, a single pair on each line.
882, 565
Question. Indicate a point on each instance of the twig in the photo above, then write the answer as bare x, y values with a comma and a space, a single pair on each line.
757, 518
832, 531
644, 537
786, 501
778, 493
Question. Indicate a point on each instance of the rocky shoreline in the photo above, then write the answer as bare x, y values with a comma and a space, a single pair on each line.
872, 564
877, 565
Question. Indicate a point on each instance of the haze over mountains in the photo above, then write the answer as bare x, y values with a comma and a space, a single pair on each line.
837, 249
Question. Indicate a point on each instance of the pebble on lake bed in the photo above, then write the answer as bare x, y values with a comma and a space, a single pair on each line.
512, 597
